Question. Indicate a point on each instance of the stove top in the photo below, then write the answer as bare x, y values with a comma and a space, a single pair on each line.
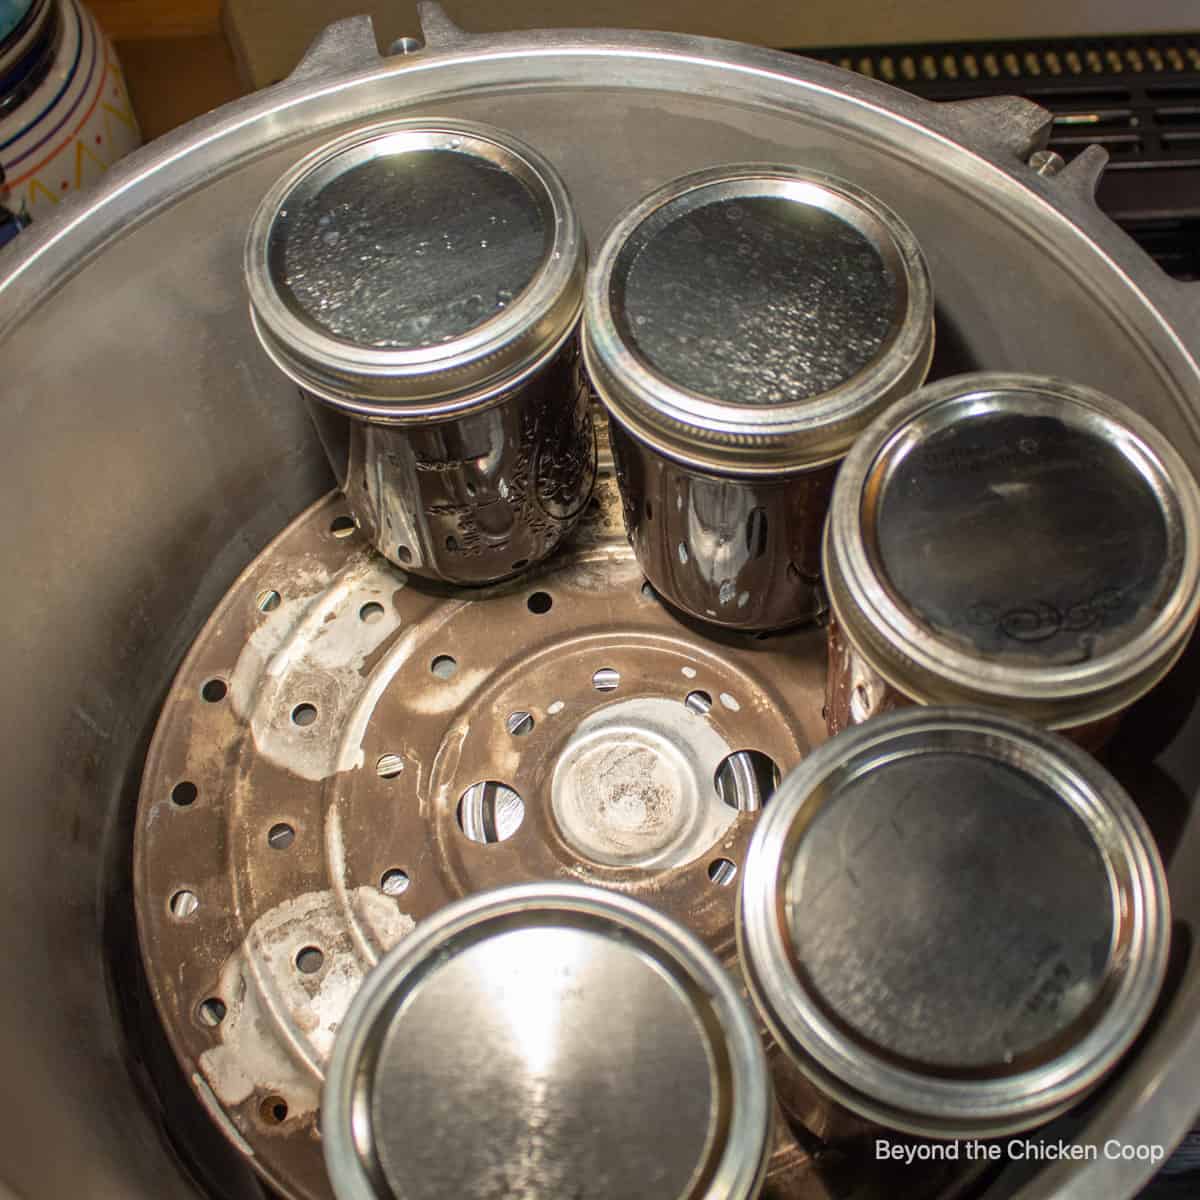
1138, 97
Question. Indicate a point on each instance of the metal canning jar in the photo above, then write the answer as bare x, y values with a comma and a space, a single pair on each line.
547, 1039
953, 922
741, 326
421, 280
1014, 541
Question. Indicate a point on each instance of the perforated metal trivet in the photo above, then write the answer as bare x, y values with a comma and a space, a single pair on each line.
343, 753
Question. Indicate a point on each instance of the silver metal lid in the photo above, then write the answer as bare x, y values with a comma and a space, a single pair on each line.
547, 1040
401, 270
753, 318
1015, 541
955, 922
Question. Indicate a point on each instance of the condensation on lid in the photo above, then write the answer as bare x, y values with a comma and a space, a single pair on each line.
406, 249
755, 299
1020, 536
752, 318
952, 910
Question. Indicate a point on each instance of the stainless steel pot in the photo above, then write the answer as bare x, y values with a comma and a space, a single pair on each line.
443, 375
151, 450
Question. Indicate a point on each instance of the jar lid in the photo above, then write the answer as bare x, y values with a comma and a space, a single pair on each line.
402, 269
955, 922
1016, 541
754, 318
547, 1040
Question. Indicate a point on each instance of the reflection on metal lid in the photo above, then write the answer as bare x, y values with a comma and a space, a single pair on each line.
904, 889
547, 1040
1025, 535
1016, 540
955, 922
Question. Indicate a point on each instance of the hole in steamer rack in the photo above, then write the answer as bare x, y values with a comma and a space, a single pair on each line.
443, 666
184, 904
606, 680
310, 960
273, 1110
211, 1012
490, 812
268, 600
280, 836
745, 779
519, 723
394, 882
342, 527
214, 690
698, 702
370, 612
389, 766
722, 871
184, 793
304, 714
540, 602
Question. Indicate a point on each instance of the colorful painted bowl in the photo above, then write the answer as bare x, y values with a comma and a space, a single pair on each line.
65, 114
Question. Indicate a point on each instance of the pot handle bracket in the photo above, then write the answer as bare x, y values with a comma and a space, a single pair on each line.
351, 42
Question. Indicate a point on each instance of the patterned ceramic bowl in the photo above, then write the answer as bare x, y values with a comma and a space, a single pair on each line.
65, 115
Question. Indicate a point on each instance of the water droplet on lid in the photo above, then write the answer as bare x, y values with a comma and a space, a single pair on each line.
483, 243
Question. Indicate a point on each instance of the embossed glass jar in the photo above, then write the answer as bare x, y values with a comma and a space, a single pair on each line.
548, 1039
421, 280
954, 923
742, 325
1014, 541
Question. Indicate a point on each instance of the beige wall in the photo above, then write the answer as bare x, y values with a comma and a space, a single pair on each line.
268, 36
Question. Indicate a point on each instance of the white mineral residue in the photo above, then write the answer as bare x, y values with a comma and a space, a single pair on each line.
280, 1024
311, 650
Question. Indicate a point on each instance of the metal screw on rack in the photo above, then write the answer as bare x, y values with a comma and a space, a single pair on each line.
406, 45
1047, 162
